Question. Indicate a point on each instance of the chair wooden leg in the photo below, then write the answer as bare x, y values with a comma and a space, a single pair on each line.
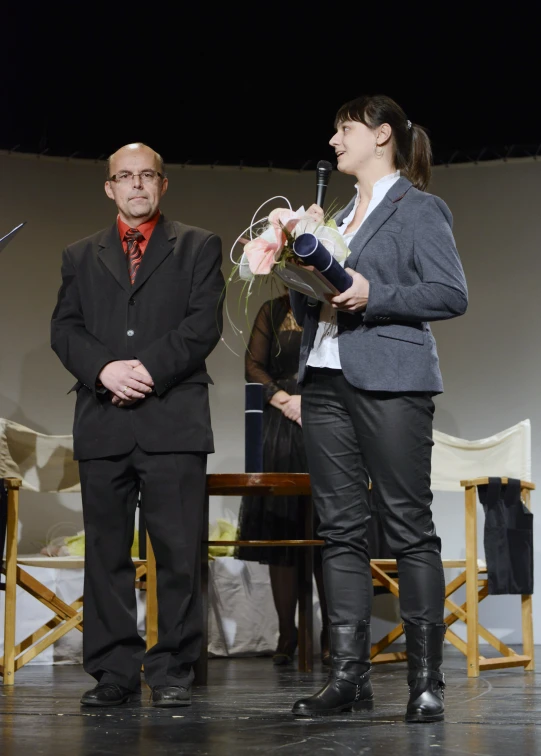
11, 580
528, 648
201, 666
472, 608
152, 598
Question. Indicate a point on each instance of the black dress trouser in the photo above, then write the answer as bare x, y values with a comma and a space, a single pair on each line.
173, 489
353, 436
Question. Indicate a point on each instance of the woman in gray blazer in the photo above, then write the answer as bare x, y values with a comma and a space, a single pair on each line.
369, 370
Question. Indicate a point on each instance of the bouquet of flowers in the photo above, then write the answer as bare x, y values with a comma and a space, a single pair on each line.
272, 240
306, 255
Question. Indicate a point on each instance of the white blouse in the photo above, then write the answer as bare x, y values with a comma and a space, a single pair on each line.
324, 353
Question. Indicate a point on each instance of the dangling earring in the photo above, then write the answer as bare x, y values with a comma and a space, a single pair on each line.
378, 151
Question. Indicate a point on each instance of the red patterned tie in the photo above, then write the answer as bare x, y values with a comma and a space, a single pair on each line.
133, 252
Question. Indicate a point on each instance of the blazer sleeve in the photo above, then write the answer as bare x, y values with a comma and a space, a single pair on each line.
441, 292
79, 351
178, 353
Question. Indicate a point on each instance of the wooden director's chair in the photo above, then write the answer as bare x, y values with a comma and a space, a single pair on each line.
66, 616
473, 577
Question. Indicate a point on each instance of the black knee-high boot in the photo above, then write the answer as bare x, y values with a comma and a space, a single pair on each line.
348, 686
424, 646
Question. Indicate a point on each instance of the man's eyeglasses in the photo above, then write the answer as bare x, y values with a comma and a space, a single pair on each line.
125, 177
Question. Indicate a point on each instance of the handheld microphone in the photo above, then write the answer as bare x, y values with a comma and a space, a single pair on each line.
323, 174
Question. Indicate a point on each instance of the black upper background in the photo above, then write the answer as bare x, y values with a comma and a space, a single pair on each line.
260, 84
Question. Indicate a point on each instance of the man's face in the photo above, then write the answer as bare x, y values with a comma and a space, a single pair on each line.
136, 188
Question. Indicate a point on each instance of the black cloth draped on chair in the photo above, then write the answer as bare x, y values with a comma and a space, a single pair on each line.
508, 538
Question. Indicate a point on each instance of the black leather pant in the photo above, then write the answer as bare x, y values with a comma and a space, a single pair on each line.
351, 437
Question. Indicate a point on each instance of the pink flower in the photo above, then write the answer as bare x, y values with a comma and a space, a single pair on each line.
261, 255
282, 217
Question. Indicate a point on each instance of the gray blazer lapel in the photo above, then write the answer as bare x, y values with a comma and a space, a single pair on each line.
339, 217
376, 219
160, 245
113, 257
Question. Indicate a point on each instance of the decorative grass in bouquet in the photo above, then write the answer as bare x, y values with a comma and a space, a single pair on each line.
291, 247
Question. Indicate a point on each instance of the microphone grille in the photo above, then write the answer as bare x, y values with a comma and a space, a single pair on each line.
324, 165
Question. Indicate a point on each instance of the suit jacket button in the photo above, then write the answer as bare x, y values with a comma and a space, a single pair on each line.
131, 301
130, 333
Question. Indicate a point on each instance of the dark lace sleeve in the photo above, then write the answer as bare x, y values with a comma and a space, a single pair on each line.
257, 359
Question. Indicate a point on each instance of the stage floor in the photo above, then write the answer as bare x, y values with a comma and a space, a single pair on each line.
245, 710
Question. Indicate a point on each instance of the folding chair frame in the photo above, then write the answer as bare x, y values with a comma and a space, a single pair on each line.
468, 612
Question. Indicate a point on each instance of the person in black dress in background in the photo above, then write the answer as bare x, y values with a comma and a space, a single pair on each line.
272, 358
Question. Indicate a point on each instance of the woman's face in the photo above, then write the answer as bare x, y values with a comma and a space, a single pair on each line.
354, 145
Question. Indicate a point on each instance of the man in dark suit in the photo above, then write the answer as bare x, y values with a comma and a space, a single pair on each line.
138, 312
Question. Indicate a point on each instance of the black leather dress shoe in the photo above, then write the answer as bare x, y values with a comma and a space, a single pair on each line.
109, 694
171, 695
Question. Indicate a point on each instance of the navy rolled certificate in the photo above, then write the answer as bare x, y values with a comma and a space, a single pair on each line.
253, 428
312, 252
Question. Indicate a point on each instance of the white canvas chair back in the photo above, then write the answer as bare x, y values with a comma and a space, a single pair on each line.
505, 454
42, 463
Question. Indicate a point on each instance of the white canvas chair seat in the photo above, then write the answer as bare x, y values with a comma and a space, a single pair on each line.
463, 465
44, 464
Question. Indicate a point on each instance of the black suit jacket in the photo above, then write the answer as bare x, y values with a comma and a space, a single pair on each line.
170, 319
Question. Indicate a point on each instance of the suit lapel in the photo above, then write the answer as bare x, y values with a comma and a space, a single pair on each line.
339, 217
376, 219
160, 245
112, 255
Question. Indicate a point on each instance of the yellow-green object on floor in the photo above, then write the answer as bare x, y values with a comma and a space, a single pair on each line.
222, 531
76, 544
